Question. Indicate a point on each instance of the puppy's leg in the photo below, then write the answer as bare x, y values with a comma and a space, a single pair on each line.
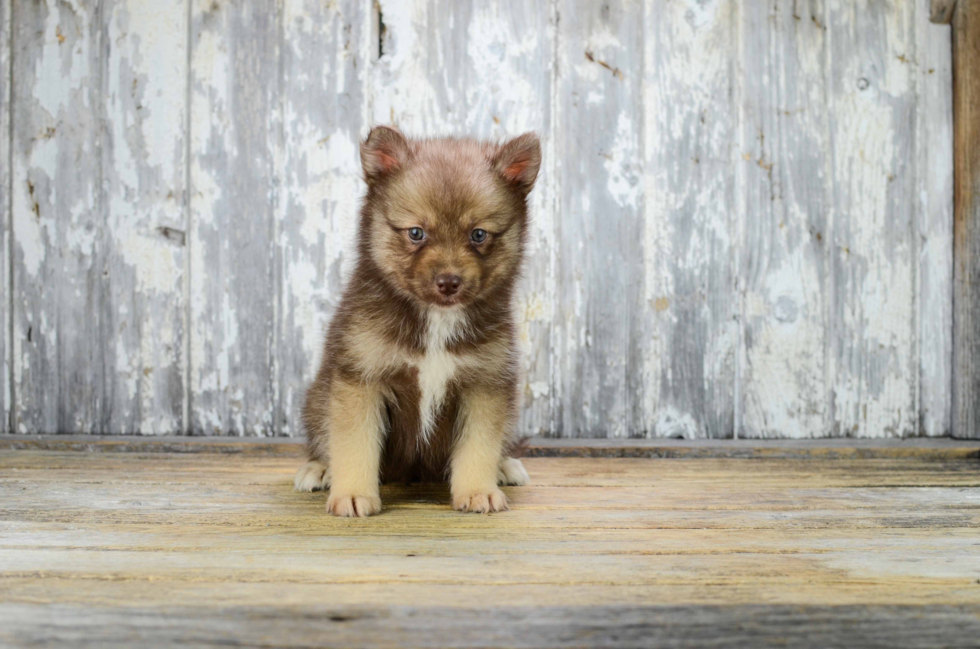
315, 474
355, 444
484, 418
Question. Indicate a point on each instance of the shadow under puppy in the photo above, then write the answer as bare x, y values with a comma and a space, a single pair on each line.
419, 378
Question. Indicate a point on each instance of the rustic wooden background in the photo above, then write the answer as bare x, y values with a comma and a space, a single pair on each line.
743, 225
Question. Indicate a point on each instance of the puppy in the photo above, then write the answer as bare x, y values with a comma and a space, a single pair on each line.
419, 379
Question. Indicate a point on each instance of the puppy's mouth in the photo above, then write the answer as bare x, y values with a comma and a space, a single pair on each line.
447, 300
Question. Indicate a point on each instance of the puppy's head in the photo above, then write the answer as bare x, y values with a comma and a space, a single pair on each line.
445, 219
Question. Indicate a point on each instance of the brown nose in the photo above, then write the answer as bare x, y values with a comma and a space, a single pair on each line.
448, 284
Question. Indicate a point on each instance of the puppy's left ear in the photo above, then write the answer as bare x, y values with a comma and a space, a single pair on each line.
384, 152
518, 162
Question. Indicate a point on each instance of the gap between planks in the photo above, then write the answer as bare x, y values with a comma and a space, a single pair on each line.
920, 448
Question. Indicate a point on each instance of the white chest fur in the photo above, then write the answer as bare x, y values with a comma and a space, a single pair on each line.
438, 366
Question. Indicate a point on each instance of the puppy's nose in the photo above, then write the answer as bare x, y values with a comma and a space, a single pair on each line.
448, 284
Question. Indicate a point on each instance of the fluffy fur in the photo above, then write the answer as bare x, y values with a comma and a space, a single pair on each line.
419, 379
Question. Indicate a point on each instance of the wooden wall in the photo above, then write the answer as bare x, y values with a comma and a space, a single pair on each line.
743, 225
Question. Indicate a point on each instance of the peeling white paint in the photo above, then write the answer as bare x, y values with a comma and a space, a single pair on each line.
713, 246
539, 389
61, 53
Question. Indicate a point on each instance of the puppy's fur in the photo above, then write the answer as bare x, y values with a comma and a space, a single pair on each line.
419, 379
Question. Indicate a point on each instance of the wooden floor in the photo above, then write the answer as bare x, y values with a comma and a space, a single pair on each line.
200, 549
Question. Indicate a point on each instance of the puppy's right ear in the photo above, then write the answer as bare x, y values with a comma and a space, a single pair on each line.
383, 152
518, 162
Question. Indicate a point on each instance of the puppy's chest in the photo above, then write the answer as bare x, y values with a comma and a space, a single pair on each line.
437, 367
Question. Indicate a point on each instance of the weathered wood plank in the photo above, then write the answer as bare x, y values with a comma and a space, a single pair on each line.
664, 504
143, 181
872, 243
326, 50
215, 467
6, 384
62, 342
667, 542
689, 233
214, 549
234, 269
966, 219
599, 231
484, 71
325, 625
97, 204
783, 164
556, 500
630, 304
429, 571
932, 71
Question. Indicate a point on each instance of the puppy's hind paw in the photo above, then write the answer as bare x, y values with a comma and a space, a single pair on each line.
481, 502
511, 472
312, 476
350, 506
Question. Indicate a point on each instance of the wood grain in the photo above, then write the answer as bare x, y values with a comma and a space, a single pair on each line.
689, 186
234, 260
598, 114
325, 625
161, 545
63, 349
143, 175
98, 212
784, 167
934, 215
6, 235
873, 366
742, 227
966, 219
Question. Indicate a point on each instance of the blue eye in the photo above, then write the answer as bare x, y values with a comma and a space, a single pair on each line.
416, 234
478, 236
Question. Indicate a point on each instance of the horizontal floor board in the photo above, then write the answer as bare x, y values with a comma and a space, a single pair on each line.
336, 625
181, 547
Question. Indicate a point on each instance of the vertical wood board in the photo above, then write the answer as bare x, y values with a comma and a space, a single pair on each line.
143, 180
783, 161
6, 242
61, 345
690, 126
966, 219
933, 203
872, 256
235, 94
599, 173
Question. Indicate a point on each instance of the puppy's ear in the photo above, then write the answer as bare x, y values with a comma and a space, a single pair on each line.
518, 161
383, 152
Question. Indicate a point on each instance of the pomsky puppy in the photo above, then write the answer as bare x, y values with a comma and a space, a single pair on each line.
419, 378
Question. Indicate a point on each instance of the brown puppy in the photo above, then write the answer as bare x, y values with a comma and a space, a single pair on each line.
419, 379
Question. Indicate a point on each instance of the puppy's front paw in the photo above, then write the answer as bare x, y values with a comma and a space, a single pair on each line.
511, 472
351, 505
312, 476
481, 502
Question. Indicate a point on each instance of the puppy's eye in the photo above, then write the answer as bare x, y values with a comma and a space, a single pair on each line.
478, 236
416, 234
